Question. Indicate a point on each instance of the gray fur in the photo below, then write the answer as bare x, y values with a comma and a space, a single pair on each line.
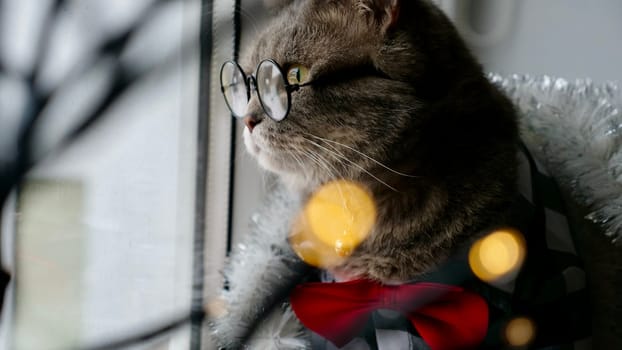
431, 114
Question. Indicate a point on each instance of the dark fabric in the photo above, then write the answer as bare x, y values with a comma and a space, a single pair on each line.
549, 289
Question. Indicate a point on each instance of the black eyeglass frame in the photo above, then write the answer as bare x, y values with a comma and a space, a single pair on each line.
250, 82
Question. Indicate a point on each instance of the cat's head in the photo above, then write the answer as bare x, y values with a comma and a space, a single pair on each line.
373, 68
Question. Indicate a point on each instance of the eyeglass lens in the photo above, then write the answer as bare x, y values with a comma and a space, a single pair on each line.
272, 90
234, 88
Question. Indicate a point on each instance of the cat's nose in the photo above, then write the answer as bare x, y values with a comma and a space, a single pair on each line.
252, 121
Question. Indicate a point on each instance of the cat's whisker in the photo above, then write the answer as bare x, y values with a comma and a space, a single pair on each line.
252, 19
297, 159
306, 154
340, 156
340, 162
336, 174
333, 175
318, 159
362, 154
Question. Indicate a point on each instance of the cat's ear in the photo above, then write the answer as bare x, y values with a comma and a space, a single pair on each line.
386, 13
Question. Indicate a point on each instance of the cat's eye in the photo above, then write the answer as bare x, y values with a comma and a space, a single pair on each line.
297, 74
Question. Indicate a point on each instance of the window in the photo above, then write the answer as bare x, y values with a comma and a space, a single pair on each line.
103, 227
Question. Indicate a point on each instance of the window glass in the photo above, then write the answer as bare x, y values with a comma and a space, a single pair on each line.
104, 227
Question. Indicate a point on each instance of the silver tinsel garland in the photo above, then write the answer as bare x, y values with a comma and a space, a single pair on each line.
575, 128
258, 270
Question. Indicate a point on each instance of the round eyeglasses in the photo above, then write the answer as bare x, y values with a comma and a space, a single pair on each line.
272, 88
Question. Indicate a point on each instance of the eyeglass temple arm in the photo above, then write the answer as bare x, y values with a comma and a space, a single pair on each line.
296, 87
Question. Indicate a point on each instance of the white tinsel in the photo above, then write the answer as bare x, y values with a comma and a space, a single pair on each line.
281, 331
257, 269
576, 130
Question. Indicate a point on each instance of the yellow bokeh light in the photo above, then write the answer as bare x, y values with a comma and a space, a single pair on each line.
341, 213
520, 331
335, 220
498, 255
309, 248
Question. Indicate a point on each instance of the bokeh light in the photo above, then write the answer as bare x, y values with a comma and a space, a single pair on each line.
335, 220
498, 256
520, 331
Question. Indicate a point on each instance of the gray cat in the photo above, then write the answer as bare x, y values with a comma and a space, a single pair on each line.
394, 91
384, 93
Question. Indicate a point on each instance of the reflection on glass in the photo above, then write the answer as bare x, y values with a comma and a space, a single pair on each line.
272, 90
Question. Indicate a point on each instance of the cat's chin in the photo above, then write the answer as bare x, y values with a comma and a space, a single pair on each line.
250, 145
263, 157
268, 162
293, 181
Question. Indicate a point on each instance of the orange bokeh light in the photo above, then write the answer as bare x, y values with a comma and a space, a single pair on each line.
520, 331
498, 256
335, 220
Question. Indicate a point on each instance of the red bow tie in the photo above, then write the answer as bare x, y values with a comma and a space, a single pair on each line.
446, 317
